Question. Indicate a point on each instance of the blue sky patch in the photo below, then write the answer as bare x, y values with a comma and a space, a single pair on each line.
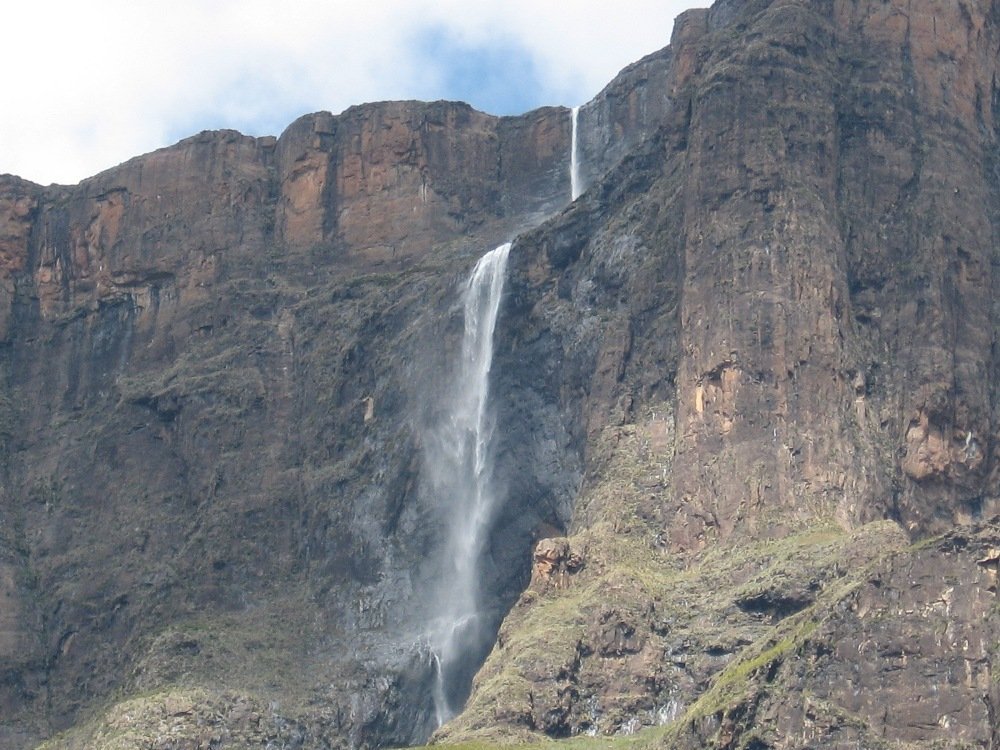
500, 77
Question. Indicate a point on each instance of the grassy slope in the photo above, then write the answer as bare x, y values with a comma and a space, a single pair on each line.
643, 641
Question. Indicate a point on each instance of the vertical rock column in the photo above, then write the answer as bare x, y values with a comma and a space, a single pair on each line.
918, 161
766, 433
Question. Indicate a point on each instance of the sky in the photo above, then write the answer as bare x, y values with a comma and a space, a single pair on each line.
87, 85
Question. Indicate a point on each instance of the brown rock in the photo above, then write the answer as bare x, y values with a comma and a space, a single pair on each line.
802, 263
554, 563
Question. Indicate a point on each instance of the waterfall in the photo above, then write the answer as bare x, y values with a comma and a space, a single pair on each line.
574, 163
460, 462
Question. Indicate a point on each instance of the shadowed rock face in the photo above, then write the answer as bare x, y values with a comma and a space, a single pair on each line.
769, 321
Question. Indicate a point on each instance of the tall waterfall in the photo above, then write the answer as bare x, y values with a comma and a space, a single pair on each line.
575, 188
460, 460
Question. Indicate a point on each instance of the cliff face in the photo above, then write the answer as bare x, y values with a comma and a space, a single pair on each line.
218, 359
775, 323
824, 219
734, 382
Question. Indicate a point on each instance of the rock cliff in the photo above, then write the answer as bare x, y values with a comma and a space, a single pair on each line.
775, 324
746, 390
218, 359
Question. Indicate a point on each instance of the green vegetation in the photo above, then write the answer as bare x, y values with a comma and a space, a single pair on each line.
638, 624
263, 687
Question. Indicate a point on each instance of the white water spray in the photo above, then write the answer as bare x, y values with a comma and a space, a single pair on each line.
574, 164
460, 461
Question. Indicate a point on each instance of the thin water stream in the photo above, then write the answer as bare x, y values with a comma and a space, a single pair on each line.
461, 464
575, 186
460, 460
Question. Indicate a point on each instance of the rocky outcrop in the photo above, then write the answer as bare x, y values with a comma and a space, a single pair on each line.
907, 652
731, 263
627, 112
554, 562
388, 181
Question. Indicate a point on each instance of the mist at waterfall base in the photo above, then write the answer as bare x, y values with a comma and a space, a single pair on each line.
460, 462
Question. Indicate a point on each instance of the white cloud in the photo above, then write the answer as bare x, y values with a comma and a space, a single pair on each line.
88, 85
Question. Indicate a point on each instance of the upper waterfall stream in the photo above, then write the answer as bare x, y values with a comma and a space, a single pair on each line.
575, 187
